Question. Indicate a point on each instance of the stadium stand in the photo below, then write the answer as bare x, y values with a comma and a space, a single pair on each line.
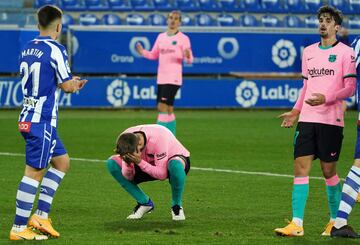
97, 5
270, 21
111, 19
209, 5
272, 6
39, 3
293, 6
187, 5
354, 22
311, 6
120, 5
248, 20
135, 20
73, 5
311, 21
66, 21
229, 5
157, 20
163, 5
292, 21
226, 20
186, 20
203, 19
354, 6
88, 19
142, 5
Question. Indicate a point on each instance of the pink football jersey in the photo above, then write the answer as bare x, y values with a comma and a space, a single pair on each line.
170, 52
160, 146
331, 72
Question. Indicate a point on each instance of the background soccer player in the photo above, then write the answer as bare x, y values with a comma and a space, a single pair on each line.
351, 186
146, 153
171, 48
329, 77
44, 71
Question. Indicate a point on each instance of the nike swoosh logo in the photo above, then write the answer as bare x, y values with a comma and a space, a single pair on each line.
311, 58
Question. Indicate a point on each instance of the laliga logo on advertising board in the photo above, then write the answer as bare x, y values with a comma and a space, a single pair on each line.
247, 93
118, 93
283, 53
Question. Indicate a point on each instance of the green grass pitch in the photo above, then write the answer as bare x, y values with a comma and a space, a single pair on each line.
220, 207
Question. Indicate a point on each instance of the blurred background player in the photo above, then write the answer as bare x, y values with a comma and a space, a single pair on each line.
171, 48
329, 77
146, 153
351, 186
44, 71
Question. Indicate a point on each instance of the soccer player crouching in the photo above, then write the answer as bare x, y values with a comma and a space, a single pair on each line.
146, 153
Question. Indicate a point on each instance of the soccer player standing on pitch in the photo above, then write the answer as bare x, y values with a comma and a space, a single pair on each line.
171, 48
328, 69
351, 186
44, 70
146, 153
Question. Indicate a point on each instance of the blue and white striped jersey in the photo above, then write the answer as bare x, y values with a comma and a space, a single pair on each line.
356, 46
43, 66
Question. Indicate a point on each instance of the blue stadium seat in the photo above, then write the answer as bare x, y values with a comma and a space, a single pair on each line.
248, 20
354, 6
135, 20
142, 5
271, 6
73, 5
270, 21
40, 3
97, 5
229, 5
67, 20
226, 20
163, 5
292, 21
31, 20
186, 20
311, 21
157, 20
209, 5
312, 6
204, 20
294, 6
120, 5
187, 5
11, 4
12, 18
354, 22
251, 6
88, 19
111, 19
342, 5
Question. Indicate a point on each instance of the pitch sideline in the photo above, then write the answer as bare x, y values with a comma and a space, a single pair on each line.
193, 168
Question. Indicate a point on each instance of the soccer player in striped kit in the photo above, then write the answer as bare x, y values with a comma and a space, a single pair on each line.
44, 71
351, 187
147, 153
170, 48
329, 73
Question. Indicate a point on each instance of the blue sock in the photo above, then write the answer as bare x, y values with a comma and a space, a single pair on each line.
350, 192
24, 201
49, 185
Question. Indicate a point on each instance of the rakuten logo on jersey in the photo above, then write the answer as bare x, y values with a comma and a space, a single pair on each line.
320, 72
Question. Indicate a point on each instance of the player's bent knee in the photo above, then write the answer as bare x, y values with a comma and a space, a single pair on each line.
175, 167
61, 163
112, 166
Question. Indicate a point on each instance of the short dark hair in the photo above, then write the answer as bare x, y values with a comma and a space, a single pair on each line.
126, 143
48, 14
334, 12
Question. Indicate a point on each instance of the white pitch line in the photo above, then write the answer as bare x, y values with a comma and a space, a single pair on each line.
193, 168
